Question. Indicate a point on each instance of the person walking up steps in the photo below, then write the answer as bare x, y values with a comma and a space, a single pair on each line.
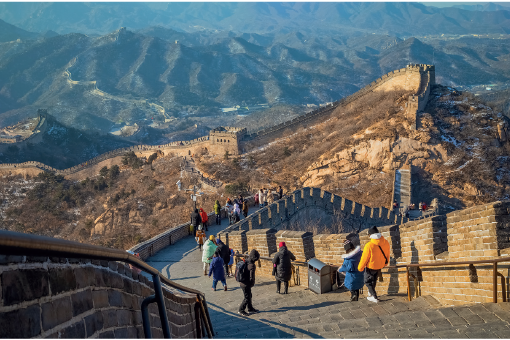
217, 271
217, 211
375, 257
283, 267
245, 274
207, 254
200, 238
353, 278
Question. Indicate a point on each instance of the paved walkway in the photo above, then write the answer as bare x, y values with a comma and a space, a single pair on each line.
304, 314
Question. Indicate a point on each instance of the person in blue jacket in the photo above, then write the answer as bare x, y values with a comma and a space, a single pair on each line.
231, 262
353, 278
217, 271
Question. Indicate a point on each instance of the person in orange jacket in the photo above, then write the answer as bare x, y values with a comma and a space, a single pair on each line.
200, 237
376, 255
205, 218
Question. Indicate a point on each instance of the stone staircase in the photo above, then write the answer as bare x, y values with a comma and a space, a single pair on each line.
402, 187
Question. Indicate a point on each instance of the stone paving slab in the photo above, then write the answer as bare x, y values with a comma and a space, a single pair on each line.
304, 314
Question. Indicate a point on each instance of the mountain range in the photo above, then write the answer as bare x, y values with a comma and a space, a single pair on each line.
395, 18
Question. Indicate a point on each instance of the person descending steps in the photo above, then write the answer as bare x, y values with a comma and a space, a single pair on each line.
374, 258
353, 278
217, 270
245, 275
207, 254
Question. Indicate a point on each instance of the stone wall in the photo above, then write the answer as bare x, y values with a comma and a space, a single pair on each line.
72, 298
150, 247
419, 77
477, 233
314, 204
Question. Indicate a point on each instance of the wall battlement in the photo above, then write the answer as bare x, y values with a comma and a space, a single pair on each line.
303, 203
477, 233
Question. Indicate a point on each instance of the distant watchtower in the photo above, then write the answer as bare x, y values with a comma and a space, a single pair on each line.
226, 138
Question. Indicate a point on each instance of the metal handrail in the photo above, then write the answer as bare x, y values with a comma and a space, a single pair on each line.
495, 274
13, 243
494, 262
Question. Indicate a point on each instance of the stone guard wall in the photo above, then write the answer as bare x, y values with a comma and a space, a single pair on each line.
481, 232
71, 298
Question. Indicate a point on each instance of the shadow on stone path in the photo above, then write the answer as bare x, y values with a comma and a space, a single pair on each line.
304, 314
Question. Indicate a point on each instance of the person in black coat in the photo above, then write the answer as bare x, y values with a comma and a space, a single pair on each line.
246, 286
195, 219
224, 254
283, 267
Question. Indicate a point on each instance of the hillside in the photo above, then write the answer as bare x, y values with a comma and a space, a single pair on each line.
60, 146
458, 154
159, 81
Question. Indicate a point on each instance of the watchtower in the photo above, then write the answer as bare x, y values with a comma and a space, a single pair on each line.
225, 138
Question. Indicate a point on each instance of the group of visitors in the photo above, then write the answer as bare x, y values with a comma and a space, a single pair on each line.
364, 267
198, 221
267, 196
218, 258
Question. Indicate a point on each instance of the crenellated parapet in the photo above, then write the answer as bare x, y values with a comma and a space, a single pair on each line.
476, 233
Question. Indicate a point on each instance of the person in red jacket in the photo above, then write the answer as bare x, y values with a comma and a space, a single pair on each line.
205, 218
376, 255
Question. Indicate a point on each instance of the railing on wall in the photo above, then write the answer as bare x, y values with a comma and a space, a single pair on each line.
495, 274
494, 262
13, 243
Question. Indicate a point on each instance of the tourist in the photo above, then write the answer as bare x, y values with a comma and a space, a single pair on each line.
420, 206
200, 237
270, 197
283, 267
353, 277
209, 249
395, 206
247, 282
266, 193
195, 221
217, 211
256, 199
204, 218
424, 206
280, 193
261, 198
375, 257
237, 213
231, 262
216, 269
245, 208
224, 253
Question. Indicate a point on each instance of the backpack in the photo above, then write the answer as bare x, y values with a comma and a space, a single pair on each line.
242, 274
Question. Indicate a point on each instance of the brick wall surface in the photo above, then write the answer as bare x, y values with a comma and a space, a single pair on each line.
72, 298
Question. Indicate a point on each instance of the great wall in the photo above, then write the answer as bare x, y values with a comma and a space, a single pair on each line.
90, 298
418, 78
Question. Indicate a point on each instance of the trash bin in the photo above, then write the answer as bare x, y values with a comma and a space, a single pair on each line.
319, 280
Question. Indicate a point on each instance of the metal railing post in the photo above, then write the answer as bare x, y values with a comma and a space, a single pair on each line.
146, 321
409, 297
495, 282
503, 286
158, 292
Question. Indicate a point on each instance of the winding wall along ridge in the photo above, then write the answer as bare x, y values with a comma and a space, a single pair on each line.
427, 73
